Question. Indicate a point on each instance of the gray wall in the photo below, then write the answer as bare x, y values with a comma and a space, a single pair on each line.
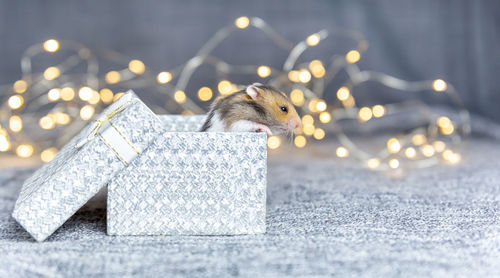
414, 40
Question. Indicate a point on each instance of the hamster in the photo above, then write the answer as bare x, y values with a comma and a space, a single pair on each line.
258, 108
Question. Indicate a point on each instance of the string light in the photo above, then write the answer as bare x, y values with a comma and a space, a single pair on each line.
439, 146
300, 141
393, 145
418, 139
137, 67
321, 105
180, 96
319, 134
164, 77
62, 118
439, 85
352, 56
106, 95
308, 129
410, 152
365, 114
24, 150
48, 154
313, 39
343, 93
205, 94
304, 76
373, 163
4, 143
15, 124
117, 96
225, 87
86, 112
94, 98
394, 163
20, 86
16, 101
264, 71
47, 122
297, 97
242, 22
51, 45
54, 94
378, 111
113, 77
317, 69
427, 150
342, 152
51, 73
273, 142
293, 76
325, 117
85, 93
307, 120
67, 94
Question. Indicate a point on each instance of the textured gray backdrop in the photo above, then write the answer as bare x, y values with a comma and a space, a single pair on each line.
414, 40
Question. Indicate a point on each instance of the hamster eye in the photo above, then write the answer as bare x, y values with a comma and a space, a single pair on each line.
284, 109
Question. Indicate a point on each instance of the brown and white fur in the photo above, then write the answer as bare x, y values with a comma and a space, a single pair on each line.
258, 108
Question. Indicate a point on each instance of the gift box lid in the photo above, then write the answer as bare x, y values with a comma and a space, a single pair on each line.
86, 164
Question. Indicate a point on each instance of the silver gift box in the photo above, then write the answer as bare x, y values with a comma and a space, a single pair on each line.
192, 183
85, 165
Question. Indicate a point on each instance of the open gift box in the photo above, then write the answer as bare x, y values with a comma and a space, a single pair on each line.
163, 177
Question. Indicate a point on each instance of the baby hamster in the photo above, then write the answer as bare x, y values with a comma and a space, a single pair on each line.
258, 108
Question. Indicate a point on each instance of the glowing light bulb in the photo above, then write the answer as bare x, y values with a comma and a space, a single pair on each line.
47, 122
427, 150
20, 86
164, 77
273, 142
242, 22
365, 114
85, 93
106, 95
445, 125
439, 85
117, 96
342, 152
51, 73
15, 123
62, 118
418, 139
394, 163
451, 157
293, 75
95, 98
373, 163
300, 141
317, 69
205, 94
67, 94
410, 152
321, 105
113, 77
313, 39
343, 93
308, 129
393, 145
264, 71
54, 94
137, 67
352, 56
319, 134
87, 112
24, 150
297, 97
180, 96
307, 120
48, 154
439, 146
325, 117
225, 87
304, 76
312, 104
51, 45
378, 111
4, 143
16, 101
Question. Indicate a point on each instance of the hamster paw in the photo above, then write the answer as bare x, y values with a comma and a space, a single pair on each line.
263, 128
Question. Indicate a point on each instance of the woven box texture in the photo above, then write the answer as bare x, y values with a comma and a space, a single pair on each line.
192, 183
59, 188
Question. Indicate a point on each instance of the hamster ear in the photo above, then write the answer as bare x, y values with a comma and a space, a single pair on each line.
253, 90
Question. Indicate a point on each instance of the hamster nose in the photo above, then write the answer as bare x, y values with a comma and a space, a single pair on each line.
294, 123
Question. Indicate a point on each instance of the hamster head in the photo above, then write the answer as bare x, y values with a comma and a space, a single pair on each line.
284, 118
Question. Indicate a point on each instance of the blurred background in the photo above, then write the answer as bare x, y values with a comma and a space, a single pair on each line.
415, 41
457, 41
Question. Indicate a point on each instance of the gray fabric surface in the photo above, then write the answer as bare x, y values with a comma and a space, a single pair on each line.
325, 217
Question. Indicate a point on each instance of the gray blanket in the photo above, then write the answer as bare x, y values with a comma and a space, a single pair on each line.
325, 217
